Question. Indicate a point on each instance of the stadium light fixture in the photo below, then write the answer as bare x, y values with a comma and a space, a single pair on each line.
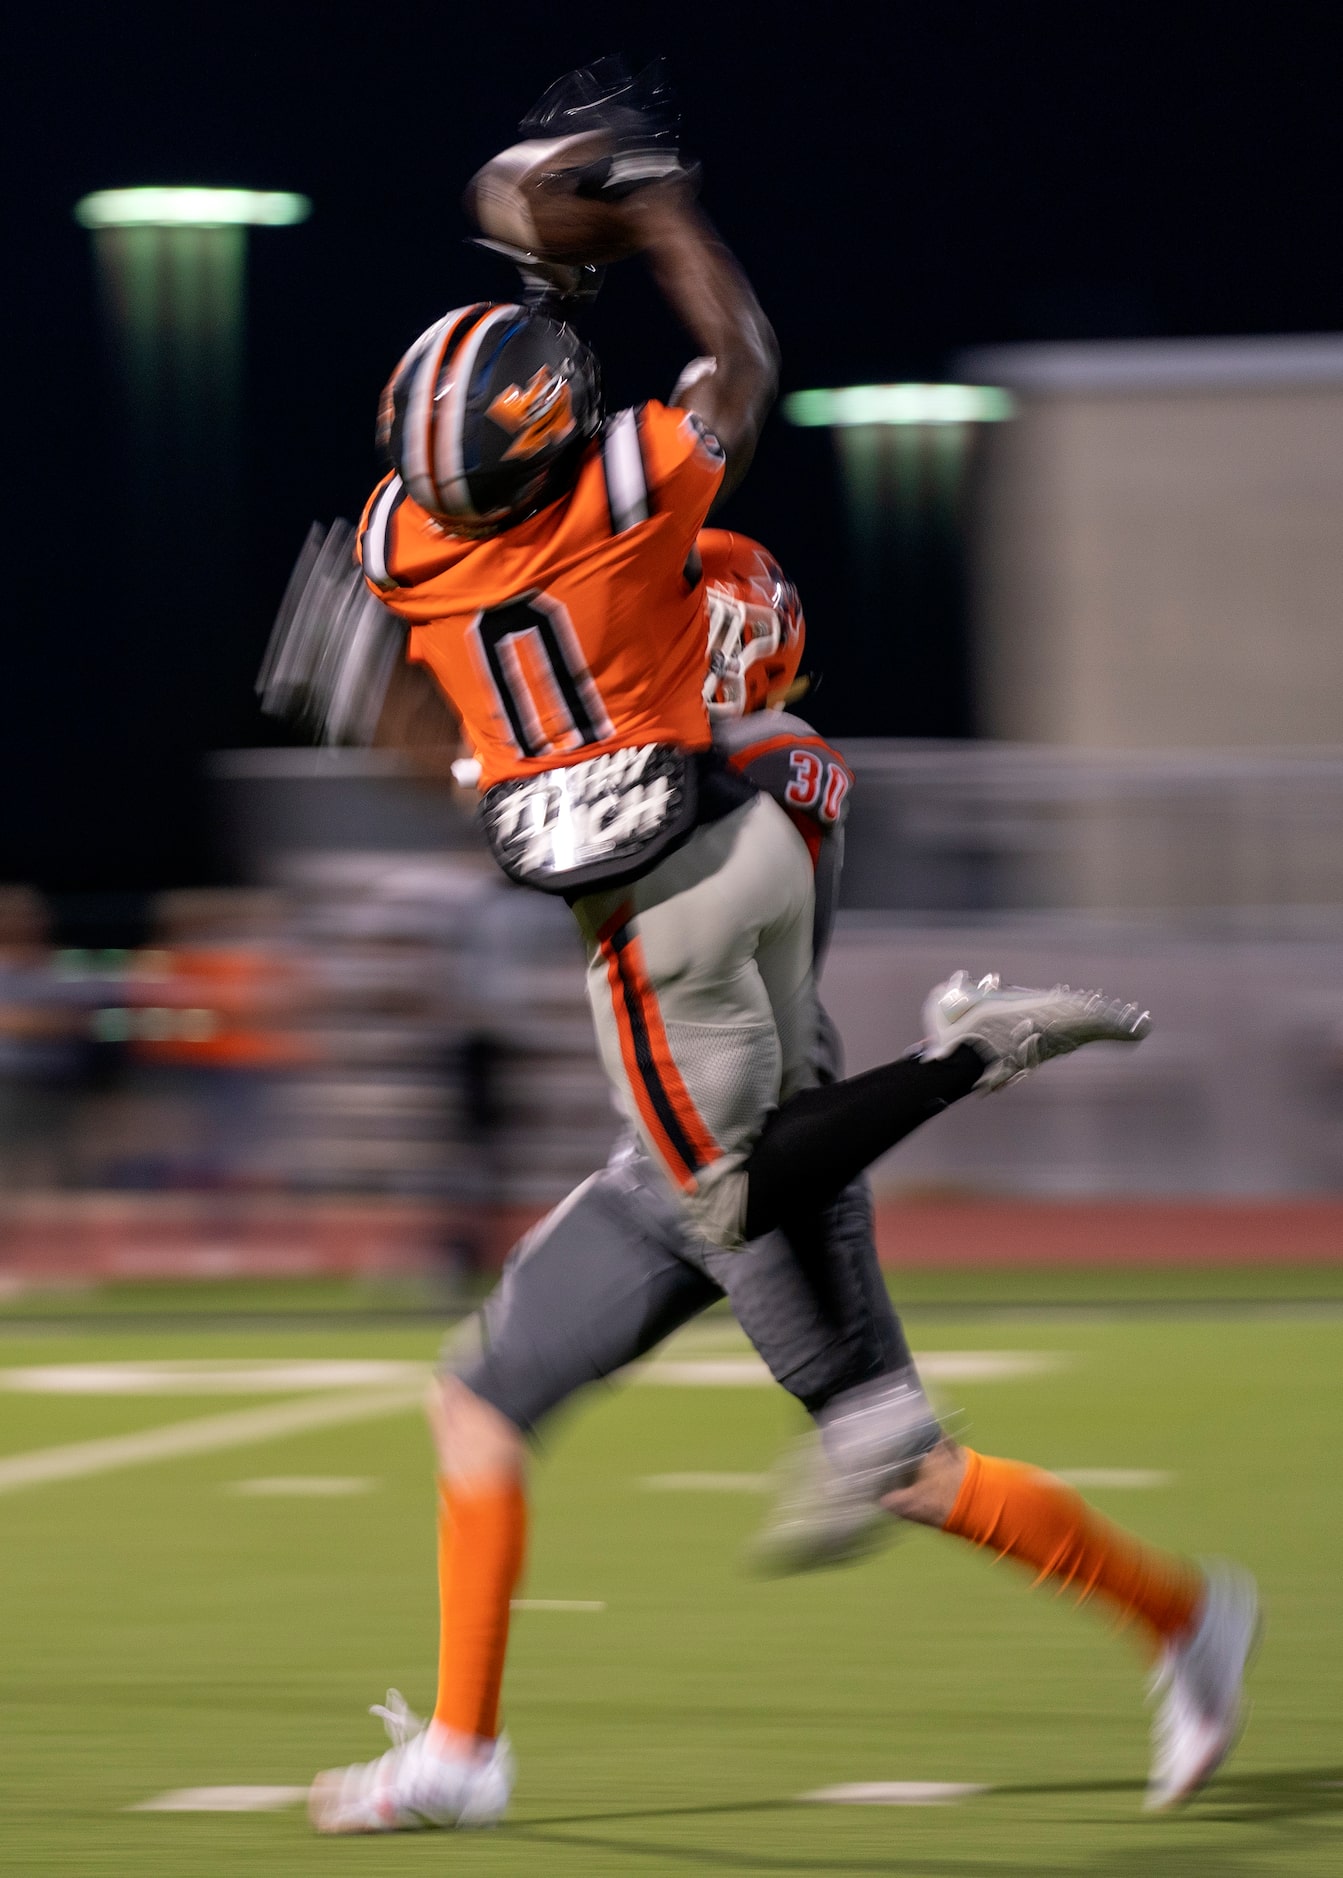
192, 208
849, 406
172, 269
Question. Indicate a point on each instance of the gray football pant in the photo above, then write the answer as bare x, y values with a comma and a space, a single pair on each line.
614, 1270
701, 987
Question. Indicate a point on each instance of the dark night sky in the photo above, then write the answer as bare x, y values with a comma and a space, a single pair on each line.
899, 183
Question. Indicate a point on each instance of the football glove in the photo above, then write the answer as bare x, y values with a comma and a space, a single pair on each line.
636, 111
333, 647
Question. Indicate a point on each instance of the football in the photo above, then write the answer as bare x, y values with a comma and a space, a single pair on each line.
528, 197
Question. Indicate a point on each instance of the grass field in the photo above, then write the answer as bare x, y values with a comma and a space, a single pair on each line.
164, 1630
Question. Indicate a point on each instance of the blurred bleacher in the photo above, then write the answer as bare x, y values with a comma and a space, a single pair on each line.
376, 1053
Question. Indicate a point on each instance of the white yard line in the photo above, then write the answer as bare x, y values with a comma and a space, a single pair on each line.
210, 1434
725, 1372
210, 1376
748, 1372
988, 1365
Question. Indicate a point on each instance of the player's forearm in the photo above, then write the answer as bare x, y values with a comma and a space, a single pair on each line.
416, 722
707, 290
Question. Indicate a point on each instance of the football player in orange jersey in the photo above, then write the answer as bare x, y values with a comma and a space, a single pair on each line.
544, 555
616, 1268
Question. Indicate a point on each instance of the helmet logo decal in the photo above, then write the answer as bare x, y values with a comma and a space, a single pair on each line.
536, 414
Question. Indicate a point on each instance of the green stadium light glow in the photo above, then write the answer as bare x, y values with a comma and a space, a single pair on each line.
191, 208
851, 405
171, 266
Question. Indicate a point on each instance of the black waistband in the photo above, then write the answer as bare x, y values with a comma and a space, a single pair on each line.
720, 788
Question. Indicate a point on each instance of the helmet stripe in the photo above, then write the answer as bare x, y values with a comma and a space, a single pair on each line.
417, 390
419, 420
424, 364
449, 469
374, 545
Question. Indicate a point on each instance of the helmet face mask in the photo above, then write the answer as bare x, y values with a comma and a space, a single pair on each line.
740, 636
487, 416
756, 632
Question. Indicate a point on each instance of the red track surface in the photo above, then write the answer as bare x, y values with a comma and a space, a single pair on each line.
1110, 1232
59, 1238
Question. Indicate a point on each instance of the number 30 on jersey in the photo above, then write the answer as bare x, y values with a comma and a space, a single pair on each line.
817, 784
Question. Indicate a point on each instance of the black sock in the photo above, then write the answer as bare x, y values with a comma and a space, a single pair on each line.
819, 1140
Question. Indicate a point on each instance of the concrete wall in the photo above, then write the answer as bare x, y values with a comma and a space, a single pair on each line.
1238, 1091
1160, 557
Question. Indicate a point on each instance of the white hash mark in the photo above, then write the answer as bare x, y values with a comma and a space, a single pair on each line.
558, 1604
896, 1793
302, 1486
222, 1800
1135, 1477
707, 1483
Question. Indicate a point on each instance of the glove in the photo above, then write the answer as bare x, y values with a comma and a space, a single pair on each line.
636, 111
334, 646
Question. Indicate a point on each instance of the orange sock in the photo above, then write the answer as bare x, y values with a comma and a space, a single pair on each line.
482, 1535
1019, 1512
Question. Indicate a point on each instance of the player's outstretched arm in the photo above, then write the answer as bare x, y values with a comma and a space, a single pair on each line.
704, 286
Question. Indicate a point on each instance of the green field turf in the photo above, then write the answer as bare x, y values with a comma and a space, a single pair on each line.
162, 1632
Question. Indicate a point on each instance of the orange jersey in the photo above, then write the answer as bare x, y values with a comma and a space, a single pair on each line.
575, 633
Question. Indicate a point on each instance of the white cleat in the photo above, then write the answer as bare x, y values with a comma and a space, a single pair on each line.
1018, 1029
413, 1785
827, 1508
1201, 1685
818, 1518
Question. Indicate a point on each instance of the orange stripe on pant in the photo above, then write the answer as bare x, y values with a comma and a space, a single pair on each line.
674, 1124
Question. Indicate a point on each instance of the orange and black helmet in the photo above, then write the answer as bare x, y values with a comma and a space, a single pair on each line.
487, 416
756, 632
